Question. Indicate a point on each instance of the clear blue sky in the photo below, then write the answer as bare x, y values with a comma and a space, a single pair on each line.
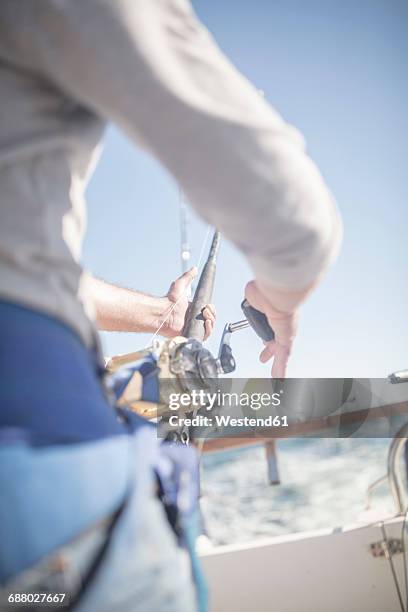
336, 70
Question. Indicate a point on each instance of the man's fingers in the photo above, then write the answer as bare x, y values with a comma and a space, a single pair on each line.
268, 352
182, 283
209, 312
208, 328
280, 364
280, 356
186, 279
280, 361
279, 369
283, 322
211, 308
209, 317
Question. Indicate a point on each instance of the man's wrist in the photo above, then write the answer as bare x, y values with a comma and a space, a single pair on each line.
283, 301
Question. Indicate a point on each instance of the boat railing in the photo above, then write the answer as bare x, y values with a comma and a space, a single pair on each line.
396, 476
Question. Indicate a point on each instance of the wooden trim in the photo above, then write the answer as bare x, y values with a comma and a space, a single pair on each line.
313, 426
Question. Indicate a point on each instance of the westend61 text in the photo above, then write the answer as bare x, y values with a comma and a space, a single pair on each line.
228, 421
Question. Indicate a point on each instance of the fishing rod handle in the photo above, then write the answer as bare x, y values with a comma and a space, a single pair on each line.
258, 322
194, 326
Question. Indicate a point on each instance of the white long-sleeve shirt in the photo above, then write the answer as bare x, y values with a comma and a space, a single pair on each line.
67, 67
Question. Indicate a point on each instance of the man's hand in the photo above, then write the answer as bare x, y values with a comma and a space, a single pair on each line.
284, 324
119, 309
176, 303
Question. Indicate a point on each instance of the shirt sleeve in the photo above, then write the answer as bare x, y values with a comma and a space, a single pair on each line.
153, 69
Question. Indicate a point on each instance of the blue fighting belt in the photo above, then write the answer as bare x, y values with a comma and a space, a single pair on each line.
61, 443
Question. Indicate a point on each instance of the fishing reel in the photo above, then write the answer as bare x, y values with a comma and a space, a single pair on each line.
196, 365
193, 365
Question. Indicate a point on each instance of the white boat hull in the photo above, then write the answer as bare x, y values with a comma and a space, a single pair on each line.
324, 571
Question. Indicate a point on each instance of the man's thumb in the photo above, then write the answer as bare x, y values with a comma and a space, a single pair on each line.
185, 280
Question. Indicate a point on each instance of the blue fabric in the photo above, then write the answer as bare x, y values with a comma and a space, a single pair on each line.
50, 494
49, 382
178, 471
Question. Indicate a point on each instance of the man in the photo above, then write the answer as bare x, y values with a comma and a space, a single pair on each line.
67, 68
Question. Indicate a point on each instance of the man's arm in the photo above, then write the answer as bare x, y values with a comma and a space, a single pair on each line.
155, 71
120, 309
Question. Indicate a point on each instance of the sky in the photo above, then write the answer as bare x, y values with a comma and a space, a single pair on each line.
337, 71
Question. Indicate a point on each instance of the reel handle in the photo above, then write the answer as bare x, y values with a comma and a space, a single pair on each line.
258, 322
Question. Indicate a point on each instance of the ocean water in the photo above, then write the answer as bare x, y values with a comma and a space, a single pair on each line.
323, 484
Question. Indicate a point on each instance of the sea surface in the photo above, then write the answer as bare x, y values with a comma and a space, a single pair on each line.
323, 484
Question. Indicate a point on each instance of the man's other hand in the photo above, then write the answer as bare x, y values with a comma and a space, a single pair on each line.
284, 324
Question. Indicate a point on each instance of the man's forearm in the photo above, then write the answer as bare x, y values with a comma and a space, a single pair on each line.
119, 309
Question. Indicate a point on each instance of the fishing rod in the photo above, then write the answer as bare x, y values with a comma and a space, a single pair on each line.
191, 357
194, 325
